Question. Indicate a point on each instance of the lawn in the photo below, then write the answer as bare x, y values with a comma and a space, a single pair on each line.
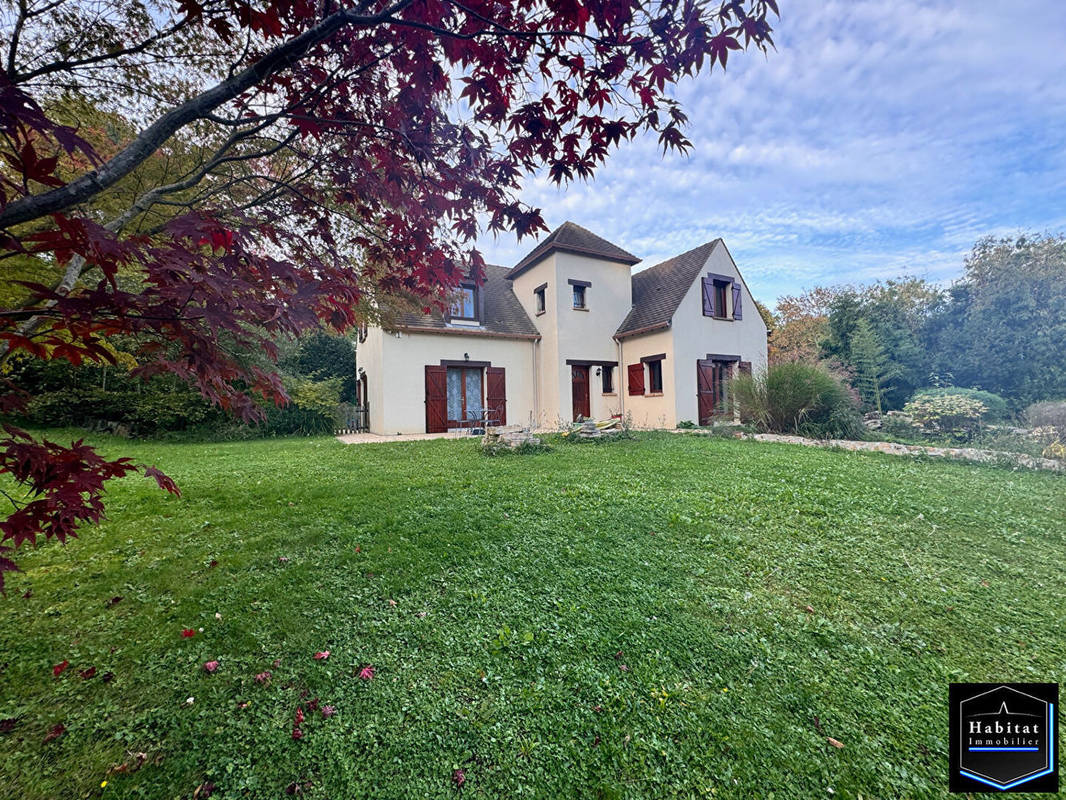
667, 616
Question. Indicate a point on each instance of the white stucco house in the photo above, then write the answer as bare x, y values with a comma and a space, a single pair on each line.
570, 331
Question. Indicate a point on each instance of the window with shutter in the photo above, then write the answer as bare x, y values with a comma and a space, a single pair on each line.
736, 302
635, 373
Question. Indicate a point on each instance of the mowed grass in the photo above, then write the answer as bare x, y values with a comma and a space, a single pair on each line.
667, 616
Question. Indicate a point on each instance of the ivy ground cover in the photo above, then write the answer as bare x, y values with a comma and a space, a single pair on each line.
663, 616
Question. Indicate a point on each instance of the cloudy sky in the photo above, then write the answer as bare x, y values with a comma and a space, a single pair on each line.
883, 137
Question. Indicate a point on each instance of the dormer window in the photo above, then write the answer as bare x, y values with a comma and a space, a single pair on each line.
580, 289
539, 295
464, 306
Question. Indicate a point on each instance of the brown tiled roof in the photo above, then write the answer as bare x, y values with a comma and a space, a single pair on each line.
659, 290
503, 314
573, 238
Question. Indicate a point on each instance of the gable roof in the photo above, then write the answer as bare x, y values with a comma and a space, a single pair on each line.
503, 314
659, 290
572, 238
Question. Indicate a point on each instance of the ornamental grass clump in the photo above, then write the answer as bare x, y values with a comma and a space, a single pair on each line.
955, 416
797, 398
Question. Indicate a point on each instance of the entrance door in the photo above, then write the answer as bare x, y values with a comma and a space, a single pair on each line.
711, 379
580, 379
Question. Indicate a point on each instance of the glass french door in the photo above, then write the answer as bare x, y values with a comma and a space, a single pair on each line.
466, 396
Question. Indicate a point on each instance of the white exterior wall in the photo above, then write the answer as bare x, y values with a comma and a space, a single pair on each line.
588, 335
402, 375
569, 333
648, 410
695, 335
547, 383
368, 358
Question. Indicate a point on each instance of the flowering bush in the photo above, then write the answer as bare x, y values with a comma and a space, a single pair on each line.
1057, 450
952, 415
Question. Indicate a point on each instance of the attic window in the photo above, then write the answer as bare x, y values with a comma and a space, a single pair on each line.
464, 306
539, 294
717, 292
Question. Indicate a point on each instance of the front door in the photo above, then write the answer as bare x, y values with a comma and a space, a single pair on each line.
711, 377
580, 379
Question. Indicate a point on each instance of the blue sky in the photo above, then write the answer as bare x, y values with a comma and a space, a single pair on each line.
883, 137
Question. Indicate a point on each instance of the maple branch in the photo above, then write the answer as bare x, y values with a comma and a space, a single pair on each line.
66, 65
83, 188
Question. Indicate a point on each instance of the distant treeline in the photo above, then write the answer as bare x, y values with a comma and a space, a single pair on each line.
1001, 328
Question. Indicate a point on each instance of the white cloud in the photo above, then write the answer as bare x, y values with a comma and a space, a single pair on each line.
880, 138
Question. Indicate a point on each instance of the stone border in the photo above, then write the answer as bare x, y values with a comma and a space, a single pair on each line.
971, 454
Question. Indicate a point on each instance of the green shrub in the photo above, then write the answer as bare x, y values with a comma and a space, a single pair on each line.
797, 398
148, 411
996, 408
951, 415
311, 409
1050, 414
686, 424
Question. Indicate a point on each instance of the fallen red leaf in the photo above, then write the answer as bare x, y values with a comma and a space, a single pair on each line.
210, 666
87, 673
322, 655
187, 633
366, 673
57, 731
58, 668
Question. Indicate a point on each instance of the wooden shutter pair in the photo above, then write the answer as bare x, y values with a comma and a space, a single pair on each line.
636, 378
708, 299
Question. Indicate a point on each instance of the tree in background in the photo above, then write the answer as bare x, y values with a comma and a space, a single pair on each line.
898, 313
873, 368
1004, 326
802, 323
365, 141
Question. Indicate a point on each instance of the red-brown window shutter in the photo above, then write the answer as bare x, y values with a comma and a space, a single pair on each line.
496, 394
436, 399
636, 378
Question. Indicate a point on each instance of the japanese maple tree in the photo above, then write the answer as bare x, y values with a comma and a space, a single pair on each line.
280, 162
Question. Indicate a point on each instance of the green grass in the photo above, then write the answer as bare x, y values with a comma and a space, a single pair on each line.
517, 581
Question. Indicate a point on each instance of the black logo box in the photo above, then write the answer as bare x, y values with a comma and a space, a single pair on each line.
1003, 737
